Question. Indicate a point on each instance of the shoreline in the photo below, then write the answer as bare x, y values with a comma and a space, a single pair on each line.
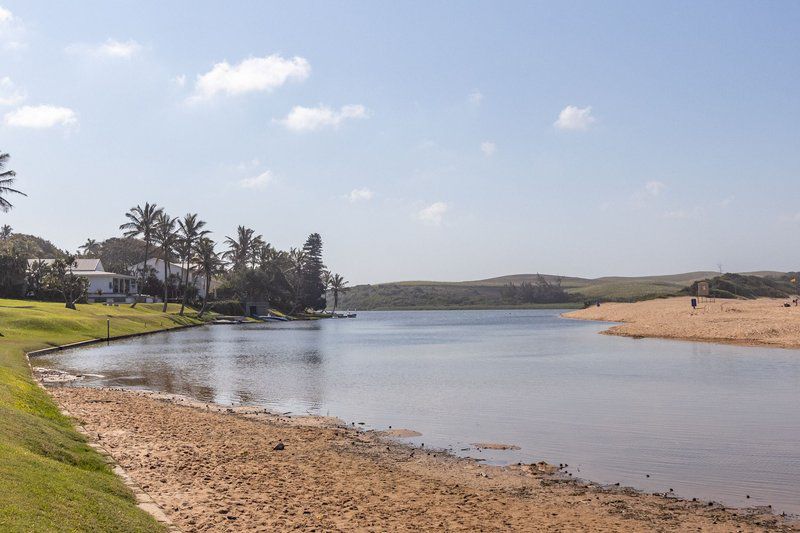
511, 481
763, 323
527, 488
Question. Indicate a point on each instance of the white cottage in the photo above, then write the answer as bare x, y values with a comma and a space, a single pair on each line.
103, 286
176, 269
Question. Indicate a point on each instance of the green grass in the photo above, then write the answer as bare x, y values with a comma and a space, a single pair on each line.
50, 479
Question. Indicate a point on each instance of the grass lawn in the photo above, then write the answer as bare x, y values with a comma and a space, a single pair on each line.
50, 480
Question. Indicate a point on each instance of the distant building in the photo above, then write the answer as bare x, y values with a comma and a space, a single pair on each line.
176, 269
103, 286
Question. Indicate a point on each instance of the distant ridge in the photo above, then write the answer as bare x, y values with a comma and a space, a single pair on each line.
487, 293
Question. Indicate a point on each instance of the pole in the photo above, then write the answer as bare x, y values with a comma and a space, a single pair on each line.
108, 330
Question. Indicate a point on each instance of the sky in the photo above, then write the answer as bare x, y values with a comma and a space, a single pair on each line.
423, 140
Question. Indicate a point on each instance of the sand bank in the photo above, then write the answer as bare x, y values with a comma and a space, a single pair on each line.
764, 322
212, 468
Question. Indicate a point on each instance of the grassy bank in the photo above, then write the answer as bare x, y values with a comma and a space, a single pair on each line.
50, 480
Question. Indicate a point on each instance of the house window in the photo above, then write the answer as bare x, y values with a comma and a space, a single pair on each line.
110, 286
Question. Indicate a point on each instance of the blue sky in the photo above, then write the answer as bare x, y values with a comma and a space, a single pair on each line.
423, 140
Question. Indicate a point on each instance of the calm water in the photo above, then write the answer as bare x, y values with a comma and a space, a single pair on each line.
711, 421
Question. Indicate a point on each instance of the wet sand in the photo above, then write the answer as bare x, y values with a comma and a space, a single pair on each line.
762, 322
212, 468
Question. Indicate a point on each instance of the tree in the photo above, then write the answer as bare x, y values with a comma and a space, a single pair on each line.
6, 181
120, 254
243, 250
5, 232
91, 248
313, 294
12, 275
35, 278
191, 229
61, 279
295, 261
208, 264
166, 236
141, 223
337, 285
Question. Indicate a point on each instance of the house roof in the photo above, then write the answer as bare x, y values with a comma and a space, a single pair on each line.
80, 265
100, 274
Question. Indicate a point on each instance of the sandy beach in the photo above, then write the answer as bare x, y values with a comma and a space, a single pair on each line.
763, 322
214, 468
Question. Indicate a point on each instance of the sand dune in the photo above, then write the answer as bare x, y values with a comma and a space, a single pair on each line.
764, 321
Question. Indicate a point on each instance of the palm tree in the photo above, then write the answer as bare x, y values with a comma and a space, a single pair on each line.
337, 284
141, 222
243, 249
294, 275
208, 263
91, 248
5, 232
190, 230
166, 236
6, 181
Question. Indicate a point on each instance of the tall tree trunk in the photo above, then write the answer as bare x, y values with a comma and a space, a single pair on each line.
186, 283
144, 270
166, 285
205, 298
335, 300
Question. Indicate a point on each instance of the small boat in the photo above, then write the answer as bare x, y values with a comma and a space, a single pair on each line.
273, 318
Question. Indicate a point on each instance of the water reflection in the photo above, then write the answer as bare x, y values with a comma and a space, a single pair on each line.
712, 421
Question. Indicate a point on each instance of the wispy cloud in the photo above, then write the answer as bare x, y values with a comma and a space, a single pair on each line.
475, 97
255, 74
9, 93
360, 195
433, 215
179, 80
110, 49
12, 31
650, 190
573, 118
41, 117
259, 181
315, 118
488, 148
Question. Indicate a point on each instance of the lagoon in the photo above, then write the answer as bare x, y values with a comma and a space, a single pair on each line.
716, 422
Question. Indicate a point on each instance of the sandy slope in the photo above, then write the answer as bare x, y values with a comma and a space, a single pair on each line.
216, 470
758, 322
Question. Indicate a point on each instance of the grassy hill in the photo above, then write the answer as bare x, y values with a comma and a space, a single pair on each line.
50, 479
487, 293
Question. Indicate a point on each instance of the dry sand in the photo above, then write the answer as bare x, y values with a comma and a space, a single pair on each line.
763, 322
212, 468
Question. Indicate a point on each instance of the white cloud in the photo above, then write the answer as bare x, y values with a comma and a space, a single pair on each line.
488, 148
12, 31
41, 116
651, 190
111, 49
654, 188
179, 80
257, 182
433, 214
475, 97
314, 118
574, 118
725, 202
250, 75
359, 195
9, 93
